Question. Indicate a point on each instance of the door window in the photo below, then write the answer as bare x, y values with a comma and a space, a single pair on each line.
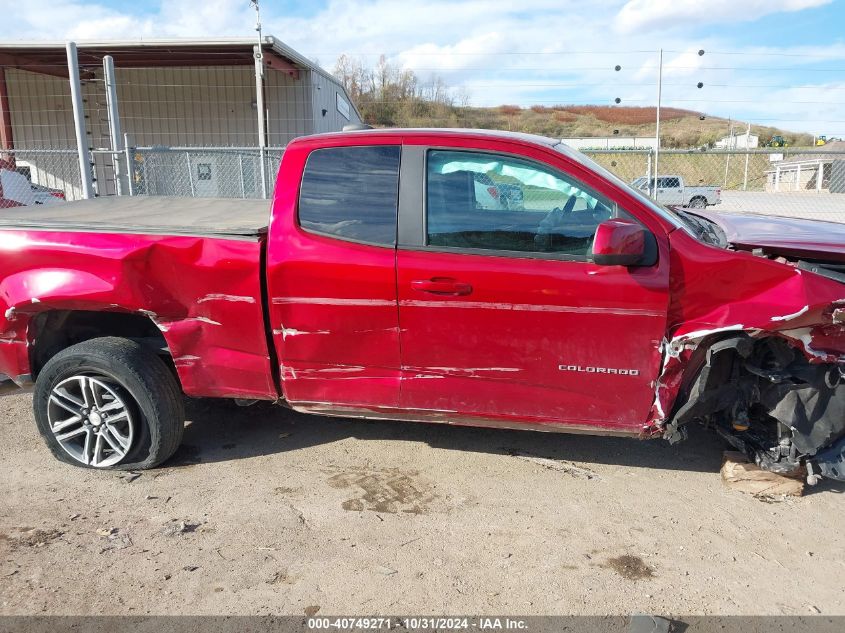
351, 193
500, 203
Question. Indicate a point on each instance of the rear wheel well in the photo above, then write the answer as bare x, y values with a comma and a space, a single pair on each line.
55, 330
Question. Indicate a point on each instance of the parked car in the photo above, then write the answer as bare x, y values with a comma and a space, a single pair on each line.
672, 191
376, 287
47, 195
17, 190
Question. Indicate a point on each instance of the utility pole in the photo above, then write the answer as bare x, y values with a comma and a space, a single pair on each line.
747, 151
657, 127
730, 147
259, 99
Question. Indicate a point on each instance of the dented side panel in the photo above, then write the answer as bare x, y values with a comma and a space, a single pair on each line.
717, 292
333, 310
204, 294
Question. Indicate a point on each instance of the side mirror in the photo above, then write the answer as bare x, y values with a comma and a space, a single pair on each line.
620, 242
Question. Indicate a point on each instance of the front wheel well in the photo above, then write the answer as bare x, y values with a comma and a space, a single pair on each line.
55, 330
765, 397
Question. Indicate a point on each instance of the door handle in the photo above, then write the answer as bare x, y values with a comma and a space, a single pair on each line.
442, 286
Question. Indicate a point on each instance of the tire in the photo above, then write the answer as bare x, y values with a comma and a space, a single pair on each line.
698, 203
129, 406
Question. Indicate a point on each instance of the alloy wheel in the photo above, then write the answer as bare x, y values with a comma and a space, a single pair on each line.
91, 421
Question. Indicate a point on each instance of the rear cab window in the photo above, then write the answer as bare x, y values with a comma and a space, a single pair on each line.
351, 193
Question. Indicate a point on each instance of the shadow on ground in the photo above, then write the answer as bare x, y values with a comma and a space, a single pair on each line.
221, 431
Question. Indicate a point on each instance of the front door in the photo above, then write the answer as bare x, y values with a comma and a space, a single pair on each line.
503, 315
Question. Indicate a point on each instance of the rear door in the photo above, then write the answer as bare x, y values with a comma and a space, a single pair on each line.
331, 276
503, 315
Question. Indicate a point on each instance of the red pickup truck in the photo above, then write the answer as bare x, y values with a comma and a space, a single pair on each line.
455, 276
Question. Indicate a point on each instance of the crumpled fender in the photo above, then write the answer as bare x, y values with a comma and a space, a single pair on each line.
204, 294
717, 292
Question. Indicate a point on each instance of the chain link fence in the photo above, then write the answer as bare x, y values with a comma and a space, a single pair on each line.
203, 172
52, 173
796, 182
807, 183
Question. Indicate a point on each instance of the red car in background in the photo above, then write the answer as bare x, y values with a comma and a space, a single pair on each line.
381, 284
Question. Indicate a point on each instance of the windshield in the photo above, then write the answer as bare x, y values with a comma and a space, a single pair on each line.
697, 226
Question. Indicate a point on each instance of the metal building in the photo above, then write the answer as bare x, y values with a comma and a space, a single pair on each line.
172, 95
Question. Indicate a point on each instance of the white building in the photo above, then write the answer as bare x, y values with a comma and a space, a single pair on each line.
823, 169
611, 142
746, 140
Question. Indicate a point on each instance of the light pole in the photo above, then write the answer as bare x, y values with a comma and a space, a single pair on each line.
657, 127
730, 147
259, 99
657, 122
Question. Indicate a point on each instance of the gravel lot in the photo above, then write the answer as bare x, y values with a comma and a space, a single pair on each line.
267, 511
796, 204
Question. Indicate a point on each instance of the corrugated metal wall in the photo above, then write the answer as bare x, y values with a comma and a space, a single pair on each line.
288, 100
171, 107
42, 117
325, 95
194, 107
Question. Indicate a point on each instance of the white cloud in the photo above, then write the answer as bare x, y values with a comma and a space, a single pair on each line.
650, 14
534, 51
450, 57
74, 19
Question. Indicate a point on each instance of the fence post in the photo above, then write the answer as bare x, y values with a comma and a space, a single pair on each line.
130, 165
241, 174
798, 177
745, 175
259, 106
190, 174
114, 126
820, 177
79, 122
657, 126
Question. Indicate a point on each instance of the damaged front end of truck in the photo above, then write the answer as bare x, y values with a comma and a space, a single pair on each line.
767, 372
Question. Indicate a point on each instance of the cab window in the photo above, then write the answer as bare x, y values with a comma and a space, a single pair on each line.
351, 193
502, 203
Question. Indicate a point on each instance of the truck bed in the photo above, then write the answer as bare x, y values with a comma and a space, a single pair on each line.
212, 217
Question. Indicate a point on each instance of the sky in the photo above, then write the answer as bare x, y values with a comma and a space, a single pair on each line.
772, 62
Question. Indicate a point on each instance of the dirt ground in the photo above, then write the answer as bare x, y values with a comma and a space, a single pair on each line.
267, 511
